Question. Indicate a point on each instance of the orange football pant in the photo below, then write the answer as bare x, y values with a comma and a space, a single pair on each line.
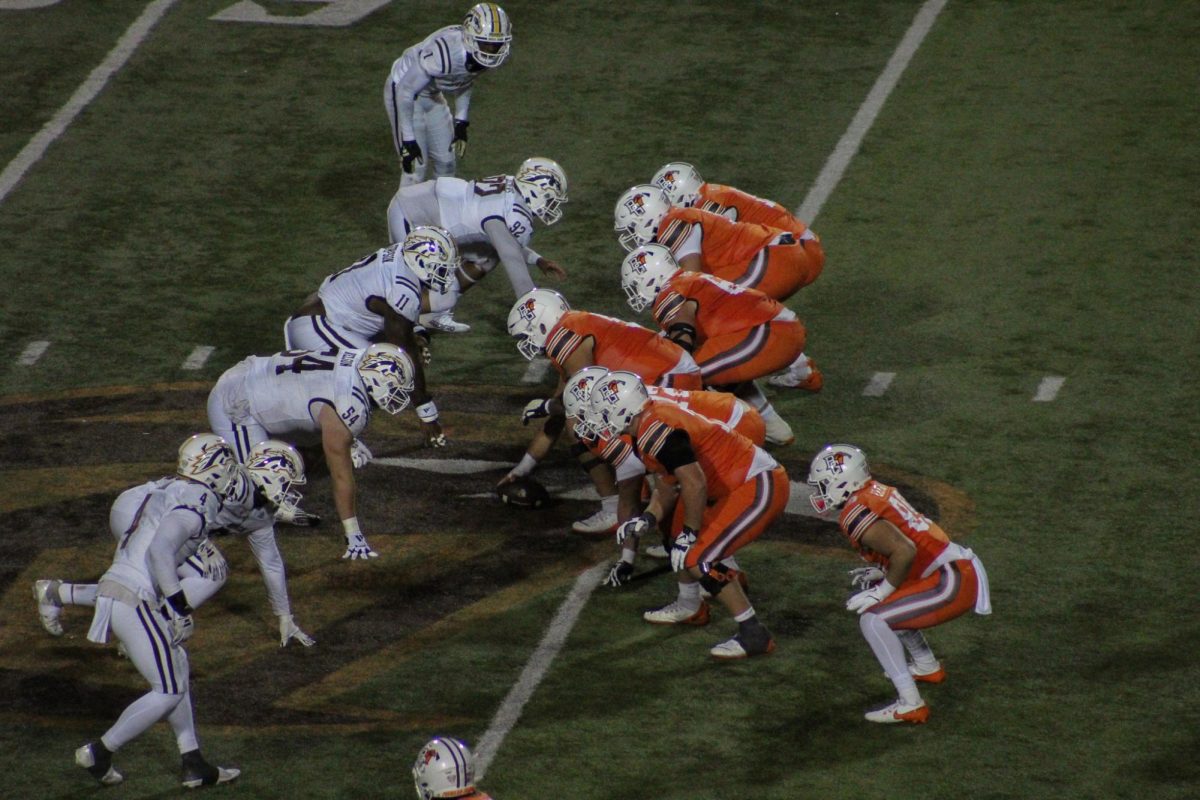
924, 602
749, 354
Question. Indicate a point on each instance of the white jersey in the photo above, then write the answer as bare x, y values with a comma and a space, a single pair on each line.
283, 393
442, 56
382, 274
154, 501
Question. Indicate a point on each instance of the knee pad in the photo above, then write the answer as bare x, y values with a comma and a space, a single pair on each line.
716, 576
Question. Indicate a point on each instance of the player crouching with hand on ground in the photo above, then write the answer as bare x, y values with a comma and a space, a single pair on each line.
922, 578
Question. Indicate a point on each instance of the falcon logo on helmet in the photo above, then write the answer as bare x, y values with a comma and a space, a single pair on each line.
432, 256
209, 459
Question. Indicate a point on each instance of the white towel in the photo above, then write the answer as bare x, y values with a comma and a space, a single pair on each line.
98, 633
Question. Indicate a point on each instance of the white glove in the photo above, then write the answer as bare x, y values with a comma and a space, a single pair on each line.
535, 409
357, 547
216, 568
181, 627
680, 547
288, 630
865, 577
360, 454
635, 526
870, 597
620, 573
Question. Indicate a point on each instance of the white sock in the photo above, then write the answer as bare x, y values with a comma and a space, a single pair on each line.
78, 594
745, 615
800, 367
885, 644
920, 651
609, 504
689, 595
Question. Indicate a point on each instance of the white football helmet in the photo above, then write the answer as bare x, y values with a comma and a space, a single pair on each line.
432, 256
487, 34
681, 182
532, 317
615, 401
389, 375
645, 272
542, 184
576, 397
276, 468
444, 768
637, 215
209, 459
837, 472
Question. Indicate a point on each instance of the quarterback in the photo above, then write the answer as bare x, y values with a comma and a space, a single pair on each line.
446, 62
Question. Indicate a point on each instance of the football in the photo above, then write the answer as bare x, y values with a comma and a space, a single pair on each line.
524, 493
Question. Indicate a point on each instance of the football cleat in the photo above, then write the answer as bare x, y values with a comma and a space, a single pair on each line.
778, 431
739, 647
98, 762
677, 614
602, 521
49, 605
899, 711
935, 675
809, 379
197, 772
445, 323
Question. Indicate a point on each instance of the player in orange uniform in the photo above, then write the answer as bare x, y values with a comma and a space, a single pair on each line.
730, 490
921, 579
777, 263
735, 334
445, 768
685, 188
543, 323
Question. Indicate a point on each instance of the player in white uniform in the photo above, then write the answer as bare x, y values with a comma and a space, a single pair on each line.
141, 601
491, 222
306, 398
447, 62
378, 298
271, 471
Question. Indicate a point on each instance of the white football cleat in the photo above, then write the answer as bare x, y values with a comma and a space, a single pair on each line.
98, 764
899, 711
778, 431
49, 605
678, 614
600, 522
735, 648
197, 772
444, 322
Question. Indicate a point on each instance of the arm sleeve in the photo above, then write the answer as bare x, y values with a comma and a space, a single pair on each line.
462, 104
406, 90
676, 450
270, 564
630, 467
512, 255
176, 527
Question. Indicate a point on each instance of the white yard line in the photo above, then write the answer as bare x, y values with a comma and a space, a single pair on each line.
86, 93
847, 146
32, 352
198, 357
1048, 389
536, 668
878, 384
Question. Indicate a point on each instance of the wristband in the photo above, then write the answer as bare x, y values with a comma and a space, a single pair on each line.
351, 526
526, 466
427, 412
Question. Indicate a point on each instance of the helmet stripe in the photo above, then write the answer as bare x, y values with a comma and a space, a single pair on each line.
494, 13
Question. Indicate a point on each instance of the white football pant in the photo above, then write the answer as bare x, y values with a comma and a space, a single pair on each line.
433, 127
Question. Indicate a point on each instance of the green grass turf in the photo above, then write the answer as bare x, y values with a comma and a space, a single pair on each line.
1025, 206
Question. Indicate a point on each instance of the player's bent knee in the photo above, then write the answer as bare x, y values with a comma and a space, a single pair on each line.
714, 579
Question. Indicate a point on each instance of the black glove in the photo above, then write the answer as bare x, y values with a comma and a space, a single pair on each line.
459, 143
410, 151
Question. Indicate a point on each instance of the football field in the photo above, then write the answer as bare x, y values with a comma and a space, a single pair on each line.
1007, 323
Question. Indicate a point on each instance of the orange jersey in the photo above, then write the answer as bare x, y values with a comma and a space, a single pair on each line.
722, 307
716, 198
727, 246
616, 345
728, 459
878, 500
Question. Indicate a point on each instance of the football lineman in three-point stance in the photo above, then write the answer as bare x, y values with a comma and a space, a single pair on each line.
309, 398
445, 768
447, 62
